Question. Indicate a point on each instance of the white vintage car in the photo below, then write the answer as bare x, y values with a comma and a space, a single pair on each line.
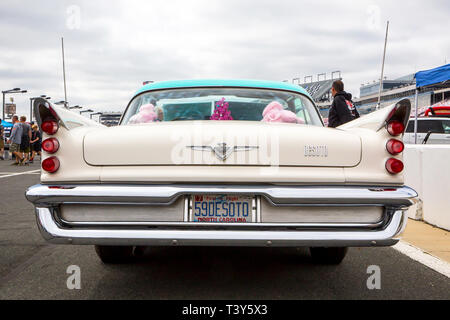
435, 130
222, 163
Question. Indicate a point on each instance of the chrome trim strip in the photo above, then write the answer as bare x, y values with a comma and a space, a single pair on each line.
255, 209
103, 224
387, 215
44, 195
190, 209
54, 233
186, 209
258, 209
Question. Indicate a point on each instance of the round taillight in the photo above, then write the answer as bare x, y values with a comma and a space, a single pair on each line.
50, 126
395, 128
394, 165
394, 146
50, 145
50, 164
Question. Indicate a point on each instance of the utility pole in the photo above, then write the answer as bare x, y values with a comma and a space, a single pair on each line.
382, 67
64, 72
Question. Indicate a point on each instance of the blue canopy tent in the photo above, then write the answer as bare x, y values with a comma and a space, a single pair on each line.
6, 124
437, 77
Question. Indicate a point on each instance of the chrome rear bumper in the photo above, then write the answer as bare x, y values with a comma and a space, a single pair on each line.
56, 234
395, 200
44, 195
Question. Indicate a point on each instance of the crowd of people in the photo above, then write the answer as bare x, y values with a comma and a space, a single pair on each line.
24, 141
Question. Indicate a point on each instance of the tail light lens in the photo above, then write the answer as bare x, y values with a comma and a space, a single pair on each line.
395, 128
50, 145
51, 164
394, 165
50, 126
394, 146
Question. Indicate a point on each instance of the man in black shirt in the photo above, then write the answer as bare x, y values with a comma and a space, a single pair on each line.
342, 109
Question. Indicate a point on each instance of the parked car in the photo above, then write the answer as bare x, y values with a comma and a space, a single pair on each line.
7, 126
266, 172
438, 111
437, 129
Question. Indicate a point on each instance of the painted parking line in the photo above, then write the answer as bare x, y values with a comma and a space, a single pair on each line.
20, 173
9, 172
424, 258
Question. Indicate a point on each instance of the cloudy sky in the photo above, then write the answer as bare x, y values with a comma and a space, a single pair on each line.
112, 46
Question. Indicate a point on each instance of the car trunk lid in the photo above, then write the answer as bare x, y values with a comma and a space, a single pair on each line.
219, 143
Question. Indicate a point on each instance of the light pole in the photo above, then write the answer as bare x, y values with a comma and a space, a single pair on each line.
15, 90
31, 104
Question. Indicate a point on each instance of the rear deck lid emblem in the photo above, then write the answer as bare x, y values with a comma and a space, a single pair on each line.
221, 150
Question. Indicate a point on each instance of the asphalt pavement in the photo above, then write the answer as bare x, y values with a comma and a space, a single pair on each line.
32, 269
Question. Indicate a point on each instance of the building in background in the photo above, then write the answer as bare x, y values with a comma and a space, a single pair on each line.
393, 90
320, 90
370, 89
110, 119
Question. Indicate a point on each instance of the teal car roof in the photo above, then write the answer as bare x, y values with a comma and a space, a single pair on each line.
223, 83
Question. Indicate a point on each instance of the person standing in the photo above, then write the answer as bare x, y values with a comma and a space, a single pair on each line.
15, 140
2, 141
342, 109
36, 140
26, 138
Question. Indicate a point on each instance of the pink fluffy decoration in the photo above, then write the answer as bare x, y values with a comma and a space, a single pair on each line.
274, 112
146, 114
273, 106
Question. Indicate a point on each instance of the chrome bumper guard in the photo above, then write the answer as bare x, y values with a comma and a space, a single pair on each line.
394, 199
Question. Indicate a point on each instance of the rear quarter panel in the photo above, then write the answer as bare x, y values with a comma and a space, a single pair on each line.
371, 169
70, 154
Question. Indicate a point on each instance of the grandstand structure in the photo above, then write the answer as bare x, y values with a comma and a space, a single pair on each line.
399, 88
110, 119
373, 88
320, 90
392, 91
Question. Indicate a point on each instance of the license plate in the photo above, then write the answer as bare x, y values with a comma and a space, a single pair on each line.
223, 209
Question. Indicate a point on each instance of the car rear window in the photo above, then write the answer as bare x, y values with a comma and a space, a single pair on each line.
446, 125
423, 126
245, 104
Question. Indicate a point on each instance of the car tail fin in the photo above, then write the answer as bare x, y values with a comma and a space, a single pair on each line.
396, 113
45, 111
